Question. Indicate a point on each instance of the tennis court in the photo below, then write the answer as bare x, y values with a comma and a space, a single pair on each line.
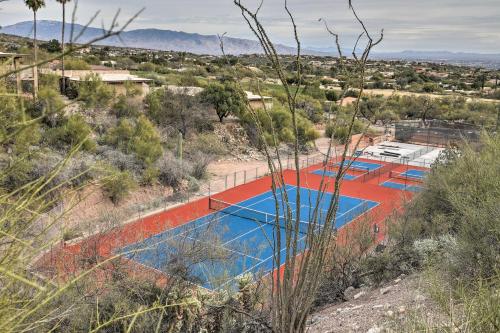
238, 239
360, 165
411, 174
415, 174
333, 174
402, 186
356, 169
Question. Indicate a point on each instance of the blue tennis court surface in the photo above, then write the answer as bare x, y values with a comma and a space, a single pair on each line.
213, 250
413, 173
361, 165
333, 174
403, 187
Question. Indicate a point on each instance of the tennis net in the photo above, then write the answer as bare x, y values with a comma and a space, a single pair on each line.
353, 167
406, 176
252, 214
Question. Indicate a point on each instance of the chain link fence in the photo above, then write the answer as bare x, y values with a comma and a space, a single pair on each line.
436, 133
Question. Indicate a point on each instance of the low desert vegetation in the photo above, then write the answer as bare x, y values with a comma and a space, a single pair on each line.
55, 147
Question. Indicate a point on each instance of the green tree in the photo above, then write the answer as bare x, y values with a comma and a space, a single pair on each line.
226, 98
52, 46
183, 112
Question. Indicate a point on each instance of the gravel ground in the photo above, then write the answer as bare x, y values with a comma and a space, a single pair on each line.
381, 309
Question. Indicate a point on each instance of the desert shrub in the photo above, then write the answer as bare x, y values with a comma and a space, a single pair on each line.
146, 143
314, 91
207, 143
75, 172
147, 67
13, 137
453, 226
171, 170
280, 120
193, 185
188, 81
124, 107
119, 159
50, 81
331, 95
72, 131
138, 136
150, 175
199, 164
340, 130
18, 174
310, 108
94, 93
49, 105
118, 184
76, 64
80, 169
461, 199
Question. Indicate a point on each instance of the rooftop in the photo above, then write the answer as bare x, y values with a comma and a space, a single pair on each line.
252, 97
114, 78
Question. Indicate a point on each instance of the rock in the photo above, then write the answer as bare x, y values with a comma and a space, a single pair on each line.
397, 280
389, 313
378, 306
419, 298
402, 309
375, 329
348, 293
385, 290
358, 295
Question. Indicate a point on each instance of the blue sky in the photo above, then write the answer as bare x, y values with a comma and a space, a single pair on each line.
453, 25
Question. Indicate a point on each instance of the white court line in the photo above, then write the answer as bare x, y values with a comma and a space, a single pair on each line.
360, 204
214, 220
260, 263
218, 219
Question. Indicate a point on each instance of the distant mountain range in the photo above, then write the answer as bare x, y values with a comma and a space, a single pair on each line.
166, 40
169, 40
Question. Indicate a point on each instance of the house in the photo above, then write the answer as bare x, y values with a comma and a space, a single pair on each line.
119, 82
258, 101
118, 79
